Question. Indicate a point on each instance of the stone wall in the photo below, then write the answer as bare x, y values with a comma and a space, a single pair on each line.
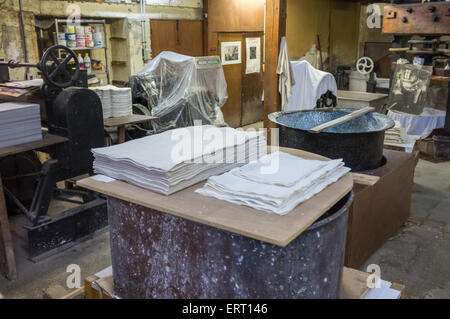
11, 42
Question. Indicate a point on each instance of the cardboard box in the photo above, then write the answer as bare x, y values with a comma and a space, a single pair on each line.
354, 286
379, 211
100, 285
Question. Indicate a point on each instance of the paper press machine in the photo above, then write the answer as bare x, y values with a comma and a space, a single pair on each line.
74, 112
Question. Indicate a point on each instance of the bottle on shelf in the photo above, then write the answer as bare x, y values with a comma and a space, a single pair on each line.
80, 61
87, 63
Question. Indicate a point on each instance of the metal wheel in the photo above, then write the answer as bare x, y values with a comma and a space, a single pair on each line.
59, 76
365, 65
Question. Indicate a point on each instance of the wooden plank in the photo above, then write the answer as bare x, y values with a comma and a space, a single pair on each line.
89, 291
246, 221
7, 258
127, 120
419, 21
341, 120
47, 140
57, 291
364, 179
400, 288
235, 15
181, 36
354, 284
275, 30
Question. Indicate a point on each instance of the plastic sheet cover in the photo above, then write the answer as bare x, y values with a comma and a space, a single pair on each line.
179, 93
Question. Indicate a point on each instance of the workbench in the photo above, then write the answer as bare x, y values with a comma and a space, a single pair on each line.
7, 258
190, 246
122, 122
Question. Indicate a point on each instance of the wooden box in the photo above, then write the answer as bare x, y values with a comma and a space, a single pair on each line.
379, 211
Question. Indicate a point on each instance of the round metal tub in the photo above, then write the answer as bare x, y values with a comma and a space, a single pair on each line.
359, 142
164, 256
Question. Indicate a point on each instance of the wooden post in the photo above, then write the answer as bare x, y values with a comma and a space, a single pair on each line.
121, 131
205, 28
7, 259
275, 30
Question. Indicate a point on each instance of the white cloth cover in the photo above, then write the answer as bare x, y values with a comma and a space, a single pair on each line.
268, 192
310, 84
421, 125
284, 70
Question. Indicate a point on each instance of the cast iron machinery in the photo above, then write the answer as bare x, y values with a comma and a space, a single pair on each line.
429, 20
74, 112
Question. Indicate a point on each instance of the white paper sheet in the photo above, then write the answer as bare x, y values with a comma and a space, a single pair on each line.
253, 52
231, 52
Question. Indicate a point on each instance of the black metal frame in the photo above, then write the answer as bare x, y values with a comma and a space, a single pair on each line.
84, 129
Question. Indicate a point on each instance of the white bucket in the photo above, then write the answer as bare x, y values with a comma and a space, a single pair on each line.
358, 81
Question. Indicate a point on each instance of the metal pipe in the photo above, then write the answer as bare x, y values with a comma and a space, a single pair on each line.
24, 36
144, 34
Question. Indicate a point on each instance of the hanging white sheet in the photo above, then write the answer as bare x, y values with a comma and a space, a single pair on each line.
310, 84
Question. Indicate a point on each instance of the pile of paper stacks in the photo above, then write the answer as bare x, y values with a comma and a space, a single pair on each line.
277, 182
20, 123
176, 159
396, 135
121, 102
116, 102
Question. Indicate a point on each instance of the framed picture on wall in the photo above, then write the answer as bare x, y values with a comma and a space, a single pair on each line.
231, 53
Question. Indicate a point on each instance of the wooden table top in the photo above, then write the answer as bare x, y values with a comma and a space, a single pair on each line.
246, 221
126, 120
47, 140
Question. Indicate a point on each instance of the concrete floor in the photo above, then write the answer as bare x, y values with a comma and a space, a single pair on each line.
418, 256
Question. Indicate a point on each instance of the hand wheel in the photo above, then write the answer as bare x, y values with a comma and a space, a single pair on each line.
53, 76
365, 65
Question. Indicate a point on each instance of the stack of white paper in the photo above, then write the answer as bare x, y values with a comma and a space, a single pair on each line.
104, 93
176, 159
121, 102
396, 135
385, 291
116, 102
20, 122
275, 183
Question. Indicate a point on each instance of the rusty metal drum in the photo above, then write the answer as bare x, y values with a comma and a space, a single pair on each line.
158, 255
